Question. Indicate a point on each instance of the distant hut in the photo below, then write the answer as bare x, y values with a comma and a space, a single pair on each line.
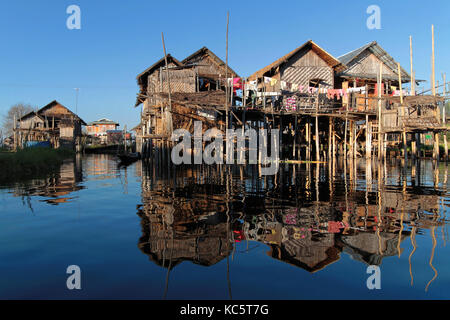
53, 123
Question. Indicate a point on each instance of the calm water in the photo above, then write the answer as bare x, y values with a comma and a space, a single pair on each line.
214, 233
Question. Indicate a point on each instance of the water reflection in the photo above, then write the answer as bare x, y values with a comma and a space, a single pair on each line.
307, 215
234, 224
57, 188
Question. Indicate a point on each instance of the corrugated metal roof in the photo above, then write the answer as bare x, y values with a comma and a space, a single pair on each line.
103, 121
380, 53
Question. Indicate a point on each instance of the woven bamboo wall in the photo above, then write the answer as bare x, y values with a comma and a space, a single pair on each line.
183, 80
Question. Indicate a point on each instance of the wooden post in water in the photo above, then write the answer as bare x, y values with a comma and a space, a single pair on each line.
295, 136
444, 122
350, 139
418, 144
330, 138
334, 141
345, 130
435, 145
308, 140
368, 138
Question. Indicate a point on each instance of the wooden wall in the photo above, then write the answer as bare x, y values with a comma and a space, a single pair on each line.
306, 65
369, 64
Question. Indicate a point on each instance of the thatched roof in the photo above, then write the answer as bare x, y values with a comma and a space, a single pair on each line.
206, 52
142, 77
417, 100
48, 106
328, 58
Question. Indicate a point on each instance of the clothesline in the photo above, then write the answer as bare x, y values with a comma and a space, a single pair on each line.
293, 87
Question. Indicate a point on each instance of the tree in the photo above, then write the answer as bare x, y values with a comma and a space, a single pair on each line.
18, 110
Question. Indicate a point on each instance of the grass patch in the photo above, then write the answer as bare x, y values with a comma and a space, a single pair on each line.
31, 161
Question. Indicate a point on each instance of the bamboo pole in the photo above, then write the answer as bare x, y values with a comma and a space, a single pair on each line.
380, 75
413, 84
317, 127
400, 84
433, 76
226, 75
167, 72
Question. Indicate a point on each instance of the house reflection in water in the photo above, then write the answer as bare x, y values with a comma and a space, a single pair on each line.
57, 187
181, 224
309, 221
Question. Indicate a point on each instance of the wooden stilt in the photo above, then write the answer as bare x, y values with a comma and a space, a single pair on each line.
351, 137
405, 149
330, 138
334, 141
317, 139
436, 146
295, 137
308, 140
445, 146
418, 144
317, 128
345, 137
368, 138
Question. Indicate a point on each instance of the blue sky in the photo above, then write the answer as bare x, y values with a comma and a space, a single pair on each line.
41, 60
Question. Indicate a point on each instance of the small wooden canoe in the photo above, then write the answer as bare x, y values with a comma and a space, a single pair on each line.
128, 157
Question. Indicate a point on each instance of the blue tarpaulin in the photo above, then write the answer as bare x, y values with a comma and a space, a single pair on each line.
37, 144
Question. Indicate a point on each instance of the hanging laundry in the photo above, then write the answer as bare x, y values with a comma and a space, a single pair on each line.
358, 89
283, 85
273, 81
294, 87
381, 88
267, 79
291, 103
237, 84
251, 85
